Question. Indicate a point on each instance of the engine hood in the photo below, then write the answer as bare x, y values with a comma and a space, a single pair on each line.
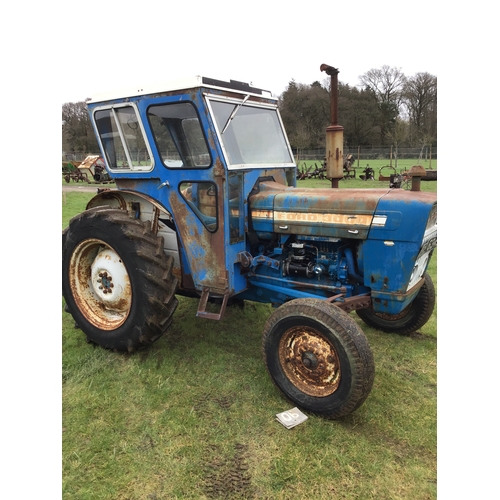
337, 213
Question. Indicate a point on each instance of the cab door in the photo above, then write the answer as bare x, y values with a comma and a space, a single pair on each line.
193, 188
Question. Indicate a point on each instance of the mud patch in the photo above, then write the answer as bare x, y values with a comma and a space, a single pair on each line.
207, 404
421, 336
227, 473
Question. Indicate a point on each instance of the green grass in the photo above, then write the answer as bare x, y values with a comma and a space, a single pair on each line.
194, 416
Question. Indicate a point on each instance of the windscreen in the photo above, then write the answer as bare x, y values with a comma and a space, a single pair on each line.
251, 135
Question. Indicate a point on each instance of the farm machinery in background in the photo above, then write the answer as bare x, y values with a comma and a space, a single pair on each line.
93, 167
70, 172
315, 172
385, 173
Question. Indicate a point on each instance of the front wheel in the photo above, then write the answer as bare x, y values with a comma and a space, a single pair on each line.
117, 280
318, 357
410, 319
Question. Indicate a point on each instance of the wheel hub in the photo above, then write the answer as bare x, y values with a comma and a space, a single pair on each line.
105, 282
100, 284
310, 361
110, 280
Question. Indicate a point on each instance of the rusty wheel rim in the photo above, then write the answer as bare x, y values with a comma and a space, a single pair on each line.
310, 361
100, 284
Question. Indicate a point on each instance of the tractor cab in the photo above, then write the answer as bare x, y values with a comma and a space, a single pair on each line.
197, 148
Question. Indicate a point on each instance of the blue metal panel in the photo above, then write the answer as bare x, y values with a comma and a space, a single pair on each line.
388, 256
388, 267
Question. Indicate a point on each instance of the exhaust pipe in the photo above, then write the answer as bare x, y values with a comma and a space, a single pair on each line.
334, 132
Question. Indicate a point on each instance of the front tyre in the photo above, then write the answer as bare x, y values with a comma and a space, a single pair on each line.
318, 357
117, 281
410, 319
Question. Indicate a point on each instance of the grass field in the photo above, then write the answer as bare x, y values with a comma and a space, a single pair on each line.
194, 416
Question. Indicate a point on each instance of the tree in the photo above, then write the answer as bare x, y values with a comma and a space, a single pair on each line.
305, 112
398, 136
77, 132
420, 101
359, 115
387, 84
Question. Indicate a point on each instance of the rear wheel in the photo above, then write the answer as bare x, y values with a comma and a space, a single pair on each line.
410, 319
117, 280
318, 357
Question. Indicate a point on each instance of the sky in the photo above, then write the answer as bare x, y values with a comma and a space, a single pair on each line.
264, 43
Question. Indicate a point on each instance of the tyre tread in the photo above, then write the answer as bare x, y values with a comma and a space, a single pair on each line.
353, 339
155, 268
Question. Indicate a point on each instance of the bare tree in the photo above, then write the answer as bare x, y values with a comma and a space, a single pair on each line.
398, 136
77, 132
420, 101
387, 84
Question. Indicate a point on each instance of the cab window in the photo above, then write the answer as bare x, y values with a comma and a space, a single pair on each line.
202, 199
122, 138
179, 136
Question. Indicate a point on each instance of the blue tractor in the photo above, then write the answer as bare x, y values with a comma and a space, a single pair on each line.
206, 206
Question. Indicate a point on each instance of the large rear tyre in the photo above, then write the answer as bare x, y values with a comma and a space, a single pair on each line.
410, 319
117, 281
318, 357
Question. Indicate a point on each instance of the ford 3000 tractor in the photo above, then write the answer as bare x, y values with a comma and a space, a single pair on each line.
206, 205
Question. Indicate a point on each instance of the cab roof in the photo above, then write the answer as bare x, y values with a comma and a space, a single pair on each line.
181, 84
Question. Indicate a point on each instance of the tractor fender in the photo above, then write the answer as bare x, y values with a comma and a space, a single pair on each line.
144, 208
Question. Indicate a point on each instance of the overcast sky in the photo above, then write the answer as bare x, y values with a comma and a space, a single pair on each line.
267, 43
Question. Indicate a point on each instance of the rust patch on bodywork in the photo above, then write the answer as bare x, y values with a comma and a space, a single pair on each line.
205, 250
322, 212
